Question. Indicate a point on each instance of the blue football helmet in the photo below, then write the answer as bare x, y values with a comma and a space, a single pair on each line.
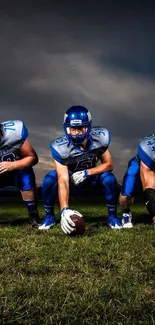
77, 116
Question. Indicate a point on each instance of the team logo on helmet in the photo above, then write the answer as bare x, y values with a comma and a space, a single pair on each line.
65, 116
89, 116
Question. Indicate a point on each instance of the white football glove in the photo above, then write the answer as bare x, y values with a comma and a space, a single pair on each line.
67, 225
79, 177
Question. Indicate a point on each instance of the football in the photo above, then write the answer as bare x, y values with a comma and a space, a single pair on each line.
80, 225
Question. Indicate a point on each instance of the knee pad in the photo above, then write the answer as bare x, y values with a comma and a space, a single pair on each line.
25, 179
149, 199
107, 177
49, 181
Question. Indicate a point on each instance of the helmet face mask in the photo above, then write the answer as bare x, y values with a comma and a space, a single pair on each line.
77, 117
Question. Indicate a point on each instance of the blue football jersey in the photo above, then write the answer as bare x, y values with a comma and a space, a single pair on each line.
76, 159
146, 151
13, 134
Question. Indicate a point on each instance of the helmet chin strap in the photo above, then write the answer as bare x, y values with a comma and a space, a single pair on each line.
84, 144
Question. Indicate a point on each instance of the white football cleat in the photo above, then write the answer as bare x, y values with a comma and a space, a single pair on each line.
127, 220
114, 223
47, 223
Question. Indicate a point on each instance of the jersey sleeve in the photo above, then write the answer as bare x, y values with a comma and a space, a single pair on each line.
146, 152
107, 138
102, 136
56, 155
24, 132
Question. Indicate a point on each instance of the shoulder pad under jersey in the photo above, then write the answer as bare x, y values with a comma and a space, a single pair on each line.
101, 134
14, 133
146, 151
60, 148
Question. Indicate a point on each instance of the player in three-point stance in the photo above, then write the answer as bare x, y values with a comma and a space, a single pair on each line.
140, 175
17, 157
76, 156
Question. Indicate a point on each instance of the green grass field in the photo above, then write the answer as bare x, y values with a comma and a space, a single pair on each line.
105, 277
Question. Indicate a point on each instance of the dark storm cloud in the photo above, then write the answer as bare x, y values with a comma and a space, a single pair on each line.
61, 54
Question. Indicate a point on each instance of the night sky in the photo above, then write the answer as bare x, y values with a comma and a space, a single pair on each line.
61, 53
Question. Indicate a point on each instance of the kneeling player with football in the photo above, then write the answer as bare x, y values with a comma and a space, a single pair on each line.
140, 175
17, 157
76, 155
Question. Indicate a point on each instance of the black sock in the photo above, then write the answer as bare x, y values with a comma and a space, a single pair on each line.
127, 210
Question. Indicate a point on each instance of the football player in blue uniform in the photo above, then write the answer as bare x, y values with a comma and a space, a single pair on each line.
140, 176
16, 160
76, 156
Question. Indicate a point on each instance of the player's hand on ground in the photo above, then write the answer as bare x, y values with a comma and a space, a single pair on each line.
67, 225
79, 177
6, 166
